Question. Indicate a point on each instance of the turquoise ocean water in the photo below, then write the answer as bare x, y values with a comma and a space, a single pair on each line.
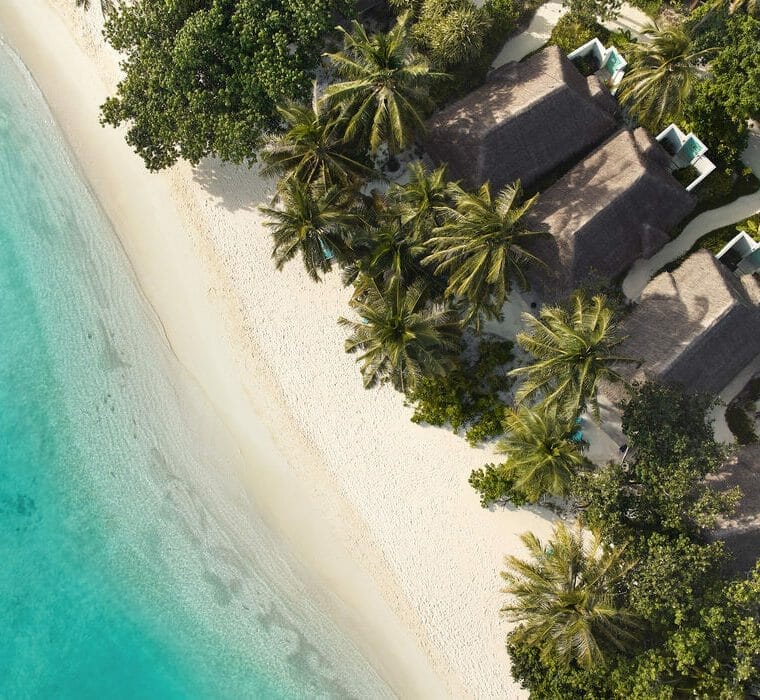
119, 578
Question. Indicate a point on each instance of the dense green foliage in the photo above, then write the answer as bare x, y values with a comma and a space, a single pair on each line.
573, 350
698, 629
204, 77
720, 105
495, 487
470, 396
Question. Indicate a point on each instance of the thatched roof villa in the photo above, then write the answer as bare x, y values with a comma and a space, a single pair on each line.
698, 326
528, 120
614, 207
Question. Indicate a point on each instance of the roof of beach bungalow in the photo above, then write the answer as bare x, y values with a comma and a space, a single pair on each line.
698, 326
614, 207
528, 120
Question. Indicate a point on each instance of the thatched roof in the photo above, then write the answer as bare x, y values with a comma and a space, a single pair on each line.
741, 530
529, 119
614, 207
696, 326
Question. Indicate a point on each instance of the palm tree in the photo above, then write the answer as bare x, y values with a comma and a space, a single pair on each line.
661, 74
424, 200
573, 351
541, 457
385, 87
480, 247
312, 149
566, 597
316, 223
399, 339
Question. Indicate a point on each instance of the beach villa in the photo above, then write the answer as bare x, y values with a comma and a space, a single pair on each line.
698, 326
529, 120
612, 208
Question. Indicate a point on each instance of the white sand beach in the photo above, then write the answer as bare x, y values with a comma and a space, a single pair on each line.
377, 508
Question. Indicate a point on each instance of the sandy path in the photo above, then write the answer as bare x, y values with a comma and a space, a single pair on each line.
263, 343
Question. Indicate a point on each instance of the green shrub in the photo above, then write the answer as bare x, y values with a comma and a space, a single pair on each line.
495, 487
504, 14
740, 423
469, 397
452, 31
571, 32
686, 175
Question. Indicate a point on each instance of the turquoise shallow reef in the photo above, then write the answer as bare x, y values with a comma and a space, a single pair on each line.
119, 578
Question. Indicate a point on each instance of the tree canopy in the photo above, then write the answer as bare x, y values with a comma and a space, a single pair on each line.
203, 77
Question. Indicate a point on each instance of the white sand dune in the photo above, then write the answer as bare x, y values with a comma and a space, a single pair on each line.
267, 350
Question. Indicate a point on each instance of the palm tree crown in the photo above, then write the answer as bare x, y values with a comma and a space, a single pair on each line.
481, 248
385, 87
315, 223
566, 598
661, 74
399, 339
424, 200
573, 351
541, 457
312, 149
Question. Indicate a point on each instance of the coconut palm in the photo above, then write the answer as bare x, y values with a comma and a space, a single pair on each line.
661, 74
400, 340
481, 248
573, 349
424, 200
385, 88
566, 597
312, 149
316, 223
541, 457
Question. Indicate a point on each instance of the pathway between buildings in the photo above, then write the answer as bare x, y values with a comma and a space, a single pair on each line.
744, 207
540, 28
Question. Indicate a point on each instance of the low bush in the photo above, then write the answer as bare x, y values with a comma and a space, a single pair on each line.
469, 397
495, 487
571, 32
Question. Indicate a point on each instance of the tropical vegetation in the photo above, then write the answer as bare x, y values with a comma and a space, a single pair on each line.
661, 74
205, 78
574, 350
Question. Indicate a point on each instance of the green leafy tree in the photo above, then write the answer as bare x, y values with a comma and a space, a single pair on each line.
400, 340
541, 458
661, 74
574, 349
481, 248
203, 77
385, 88
567, 599
662, 487
714, 653
317, 224
312, 150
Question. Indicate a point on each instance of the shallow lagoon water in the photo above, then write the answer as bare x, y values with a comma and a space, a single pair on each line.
123, 571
